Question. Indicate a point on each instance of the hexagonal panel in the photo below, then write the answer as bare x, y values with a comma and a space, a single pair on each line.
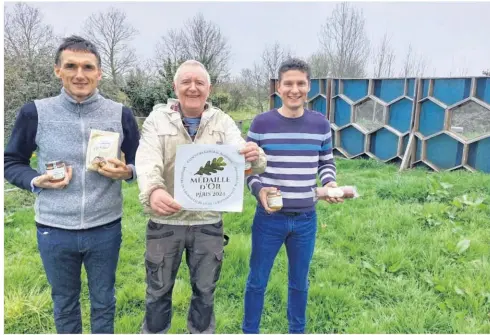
389, 89
352, 141
324, 86
369, 115
431, 118
334, 140
483, 89
425, 88
335, 87
400, 115
314, 88
470, 120
277, 101
355, 89
479, 155
444, 151
451, 90
411, 87
384, 144
319, 104
418, 149
422, 165
404, 140
341, 112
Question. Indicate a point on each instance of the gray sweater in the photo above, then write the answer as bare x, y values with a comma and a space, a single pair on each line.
61, 132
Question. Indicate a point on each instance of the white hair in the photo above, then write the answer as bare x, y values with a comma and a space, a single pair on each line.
191, 62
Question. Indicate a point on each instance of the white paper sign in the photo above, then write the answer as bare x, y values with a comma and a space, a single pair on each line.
209, 177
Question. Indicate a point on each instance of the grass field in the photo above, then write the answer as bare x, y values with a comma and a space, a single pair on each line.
412, 255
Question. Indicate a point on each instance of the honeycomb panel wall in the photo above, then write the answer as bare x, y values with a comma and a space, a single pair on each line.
449, 119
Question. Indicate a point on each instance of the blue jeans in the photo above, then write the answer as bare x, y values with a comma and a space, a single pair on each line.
63, 252
269, 232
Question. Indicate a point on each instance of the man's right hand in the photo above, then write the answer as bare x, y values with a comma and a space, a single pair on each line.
45, 180
162, 203
263, 198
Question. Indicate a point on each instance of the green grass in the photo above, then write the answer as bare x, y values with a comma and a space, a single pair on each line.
243, 114
412, 255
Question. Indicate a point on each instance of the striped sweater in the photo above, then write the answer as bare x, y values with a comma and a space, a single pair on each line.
297, 149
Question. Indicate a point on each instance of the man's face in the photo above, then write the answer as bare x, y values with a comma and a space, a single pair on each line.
293, 89
79, 72
192, 89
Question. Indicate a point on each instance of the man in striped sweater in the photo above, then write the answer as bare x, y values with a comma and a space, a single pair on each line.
298, 146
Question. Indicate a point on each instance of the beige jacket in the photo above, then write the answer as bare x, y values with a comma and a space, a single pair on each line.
162, 132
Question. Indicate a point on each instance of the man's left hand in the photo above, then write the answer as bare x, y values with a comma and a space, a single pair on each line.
250, 151
333, 200
120, 171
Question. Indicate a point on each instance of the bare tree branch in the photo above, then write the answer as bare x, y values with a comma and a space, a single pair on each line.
344, 41
384, 59
320, 65
253, 80
110, 32
272, 57
414, 65
29, 48
204, 42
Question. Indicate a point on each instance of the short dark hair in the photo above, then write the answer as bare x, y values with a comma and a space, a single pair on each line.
77, 43
294, 64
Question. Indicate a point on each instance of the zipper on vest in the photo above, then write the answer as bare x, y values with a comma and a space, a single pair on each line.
82, 125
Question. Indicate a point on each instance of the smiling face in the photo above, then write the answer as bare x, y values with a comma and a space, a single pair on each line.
293, 88
79, 72
192, 89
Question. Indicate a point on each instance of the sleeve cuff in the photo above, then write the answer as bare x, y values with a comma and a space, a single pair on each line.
256, 187
35, 189
328, 180
133, 178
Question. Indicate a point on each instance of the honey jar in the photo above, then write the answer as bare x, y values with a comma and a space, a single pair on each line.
56, 169
248, 168
274, 200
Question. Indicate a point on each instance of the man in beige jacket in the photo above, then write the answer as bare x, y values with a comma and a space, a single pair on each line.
172, 230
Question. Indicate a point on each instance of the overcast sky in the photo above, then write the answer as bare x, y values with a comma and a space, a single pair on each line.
453, 37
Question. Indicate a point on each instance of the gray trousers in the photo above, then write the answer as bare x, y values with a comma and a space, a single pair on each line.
165, 244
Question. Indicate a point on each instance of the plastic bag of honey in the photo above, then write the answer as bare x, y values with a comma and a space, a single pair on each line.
102, 145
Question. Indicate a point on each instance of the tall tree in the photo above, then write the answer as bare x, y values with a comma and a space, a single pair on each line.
253, 79
384, 59
111, 32
169, 55
29, 50
272, 57
320, 65
200, 40
413, 65
344, 41
486, 72
204, 42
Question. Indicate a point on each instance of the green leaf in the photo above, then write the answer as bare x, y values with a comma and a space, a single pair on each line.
462, 246
9, 218
368, 266
459, 291
457, 203
440, 288
217, 164
446, 185
395, 267
482, 207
